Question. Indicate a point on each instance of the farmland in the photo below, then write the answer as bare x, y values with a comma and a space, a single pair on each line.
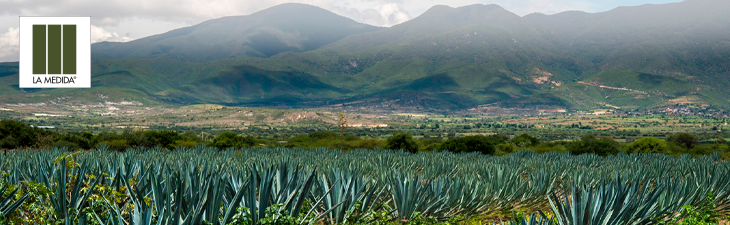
325, 186
130, 163
273, 123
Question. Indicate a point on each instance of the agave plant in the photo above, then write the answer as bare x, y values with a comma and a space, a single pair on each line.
205, 185
64, 202
7, 205
412, 194
344, 189
612, 203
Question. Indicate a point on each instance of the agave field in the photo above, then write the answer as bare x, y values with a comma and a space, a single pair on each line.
325, 186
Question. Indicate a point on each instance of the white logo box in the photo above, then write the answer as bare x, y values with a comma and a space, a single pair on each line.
82, 78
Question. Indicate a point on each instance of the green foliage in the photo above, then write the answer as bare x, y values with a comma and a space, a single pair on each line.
544, 147
430, 144
186, 143
323, 135
230, 139
193, 137
36, 208
8, 142
275, 215
18, 134
150, 138
591, 144
686, 140
505, 148
648, 145
525, 140
703, 215
66, 144
8, 203
476, 143
402, 141
118, 145
382, 217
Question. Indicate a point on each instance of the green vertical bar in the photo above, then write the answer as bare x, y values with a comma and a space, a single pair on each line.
69, 49
54, 49
39, 49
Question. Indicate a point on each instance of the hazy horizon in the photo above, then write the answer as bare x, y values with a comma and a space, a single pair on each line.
122, 21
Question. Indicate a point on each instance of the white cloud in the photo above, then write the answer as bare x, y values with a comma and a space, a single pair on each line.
98, 34
392, 13
384, 15
10, 45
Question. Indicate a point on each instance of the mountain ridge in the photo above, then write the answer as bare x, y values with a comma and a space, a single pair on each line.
449, 59
286, 27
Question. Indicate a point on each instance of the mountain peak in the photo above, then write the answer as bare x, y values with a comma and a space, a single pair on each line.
281, 28
440, 10
287, 9
445, 17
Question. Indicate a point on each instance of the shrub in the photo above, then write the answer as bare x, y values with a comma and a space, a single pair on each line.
18, 134
505, 148
230, 139
430, 144
192, 136
8, 142
369, 143
686, 140
118, 145
704, 215
525, 140
432, 147
591, 144
70, 146
704, 149
476, 143
648, 145
497, 139
185, 144
402, 141
550, 147
324, 135
82, 140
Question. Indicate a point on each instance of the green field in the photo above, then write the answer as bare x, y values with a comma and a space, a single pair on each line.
325, 186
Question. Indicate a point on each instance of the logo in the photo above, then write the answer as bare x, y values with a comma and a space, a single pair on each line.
55, 52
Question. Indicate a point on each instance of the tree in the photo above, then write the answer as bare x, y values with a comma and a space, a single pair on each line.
163, 138
22, 134
720, 140
591, 144
525, 140
192, 136
685, 140
8, 142
323, 135
476, 143
648, 145
402, 141
230, 139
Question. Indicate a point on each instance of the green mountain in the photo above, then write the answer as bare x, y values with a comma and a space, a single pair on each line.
286, 27
445, 59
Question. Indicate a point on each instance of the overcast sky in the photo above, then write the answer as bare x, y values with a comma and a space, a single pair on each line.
125, 20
